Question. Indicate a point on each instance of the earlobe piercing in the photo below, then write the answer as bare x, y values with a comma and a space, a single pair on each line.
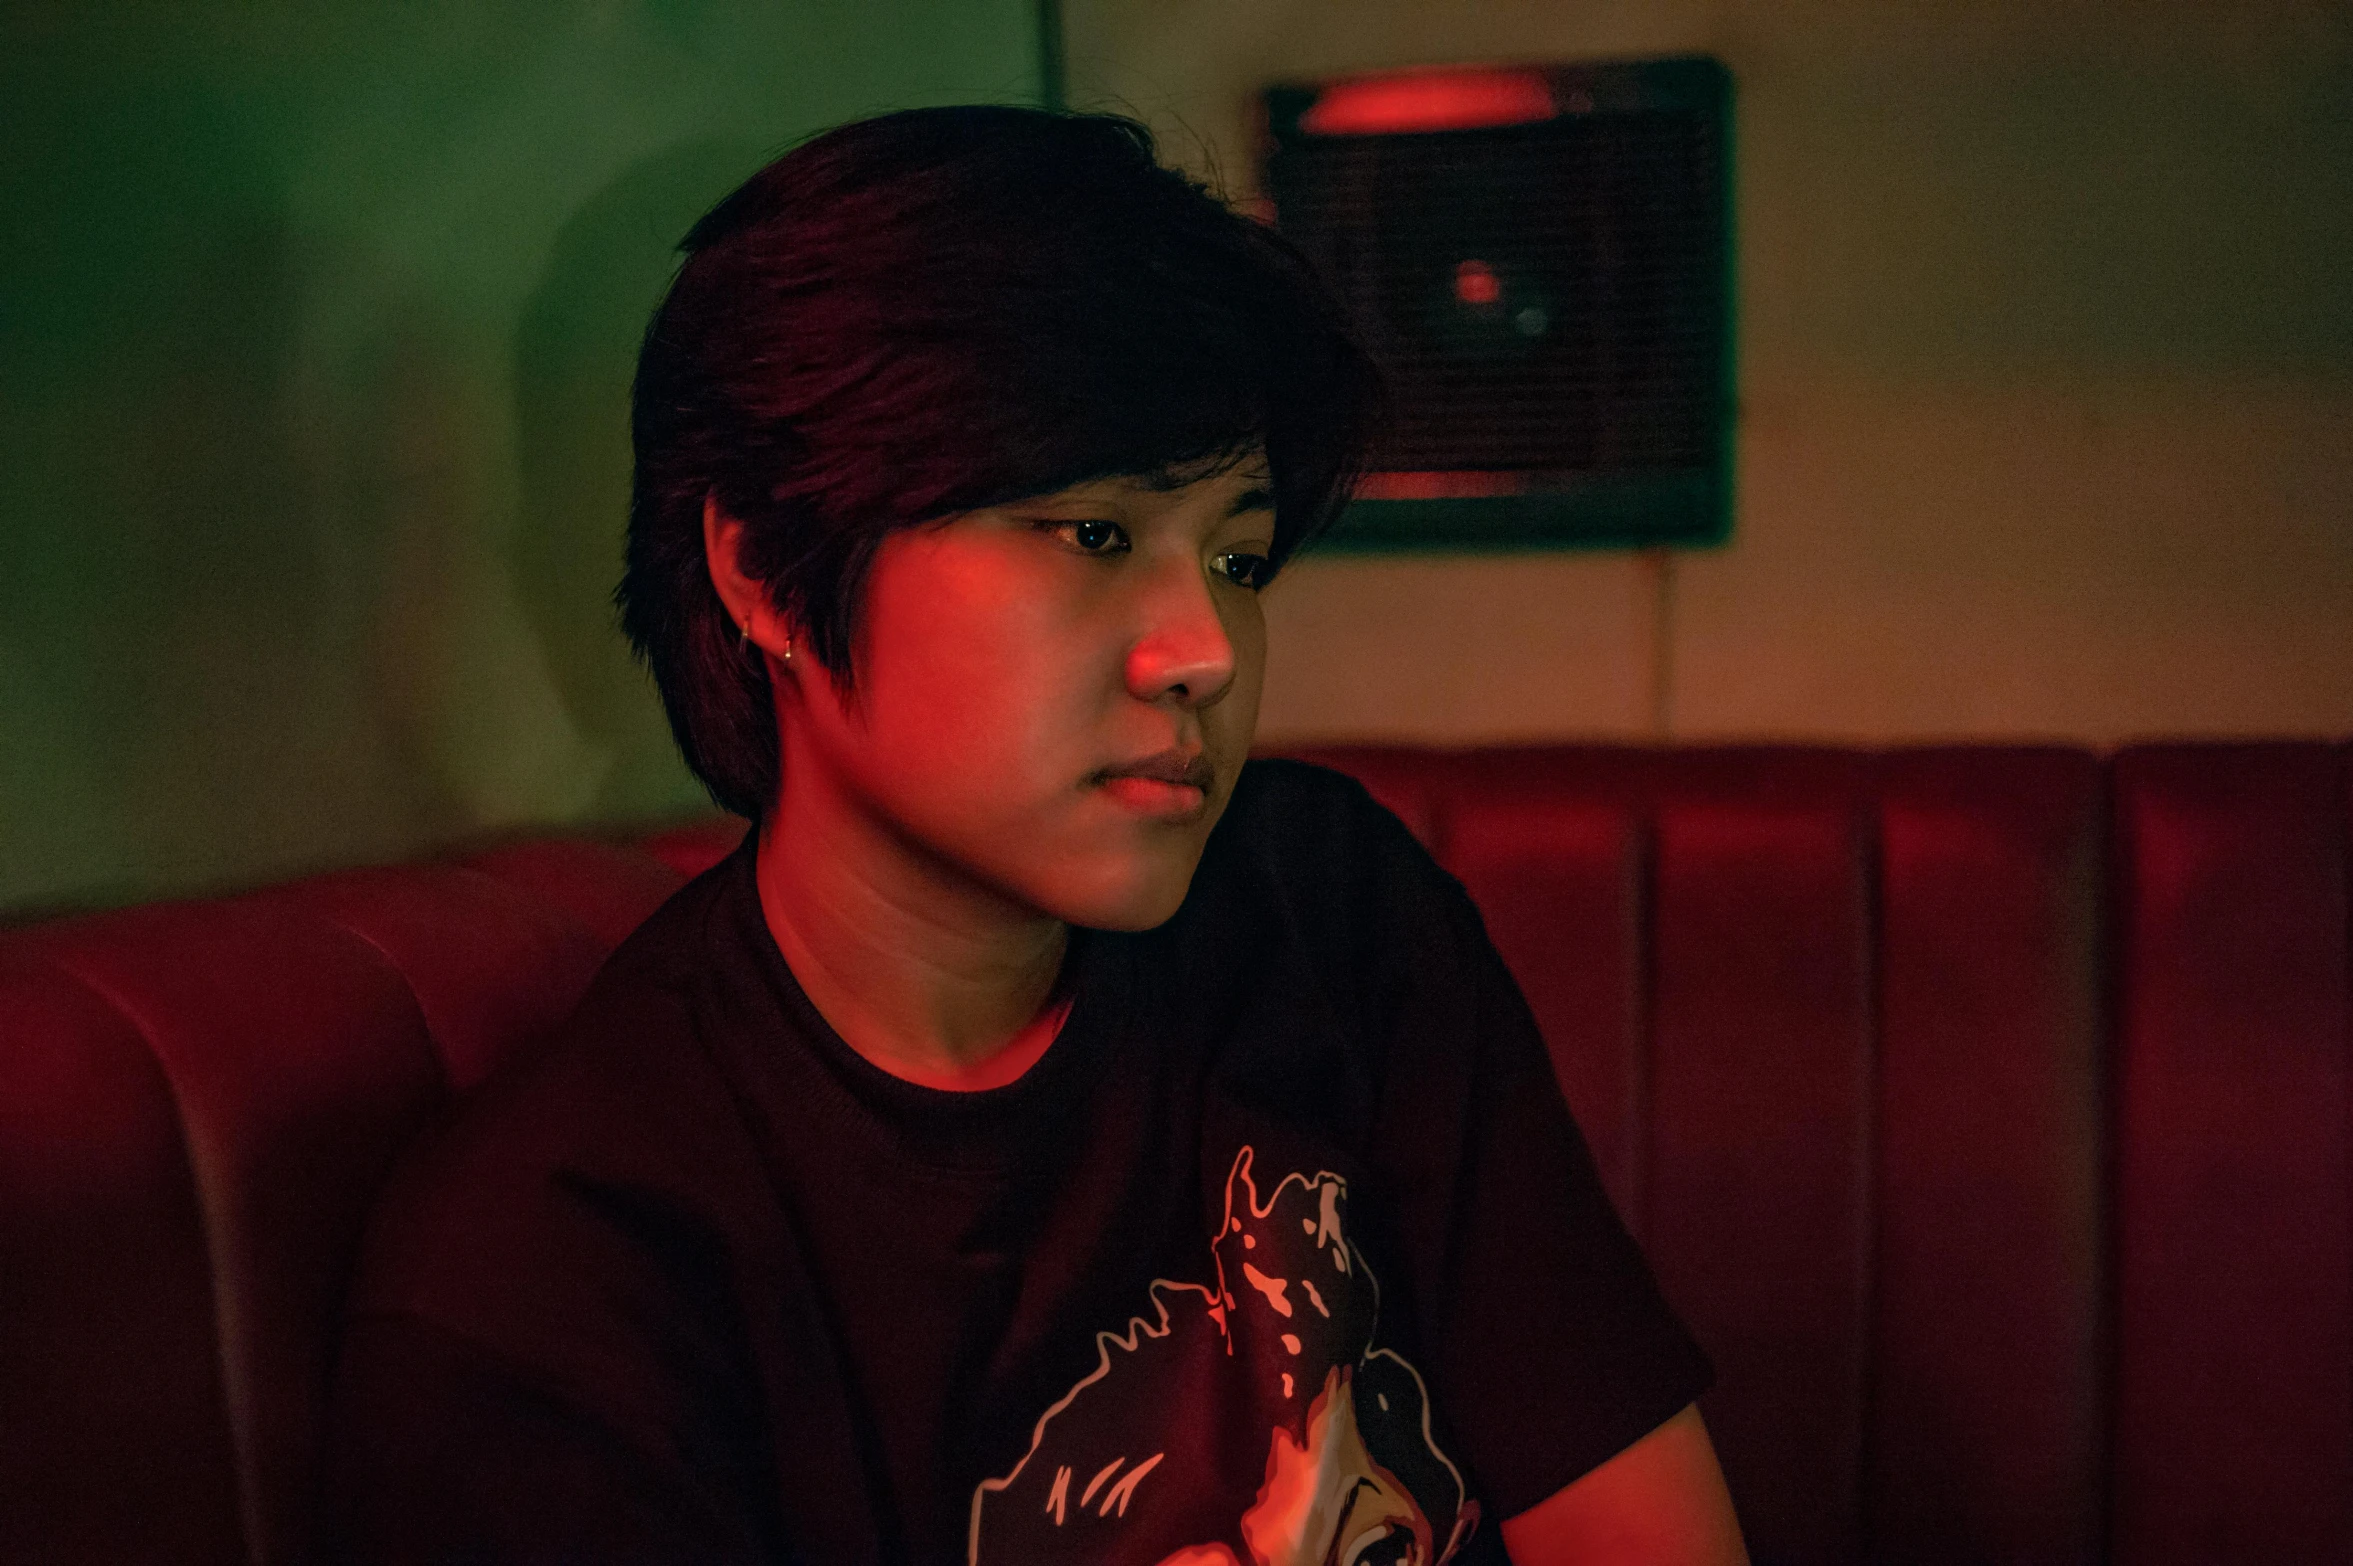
744, 643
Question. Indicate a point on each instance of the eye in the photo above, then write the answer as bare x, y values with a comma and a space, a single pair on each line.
1091, 537
1244, 569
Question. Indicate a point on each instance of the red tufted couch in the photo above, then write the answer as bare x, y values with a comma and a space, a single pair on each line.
1985, 1110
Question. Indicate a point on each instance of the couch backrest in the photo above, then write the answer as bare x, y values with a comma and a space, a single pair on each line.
198, 1102
1985, 1110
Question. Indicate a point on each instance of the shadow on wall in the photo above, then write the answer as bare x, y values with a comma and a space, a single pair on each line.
316, 330
172, 606
575, 352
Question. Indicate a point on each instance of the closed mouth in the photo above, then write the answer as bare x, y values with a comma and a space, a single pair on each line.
1179, 768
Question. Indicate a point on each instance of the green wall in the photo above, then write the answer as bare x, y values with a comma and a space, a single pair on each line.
316, 326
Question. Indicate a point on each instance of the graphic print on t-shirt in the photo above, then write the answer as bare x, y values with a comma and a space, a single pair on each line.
1247, 1420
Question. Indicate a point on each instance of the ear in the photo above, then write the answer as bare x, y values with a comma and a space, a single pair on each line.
743, 596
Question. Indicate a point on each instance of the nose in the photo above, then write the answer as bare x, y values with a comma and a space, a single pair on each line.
1182, 652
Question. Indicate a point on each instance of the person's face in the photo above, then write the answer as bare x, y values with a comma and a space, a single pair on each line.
1328, 1502
1053, 698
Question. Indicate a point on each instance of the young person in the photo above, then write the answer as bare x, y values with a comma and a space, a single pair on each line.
1049, 1138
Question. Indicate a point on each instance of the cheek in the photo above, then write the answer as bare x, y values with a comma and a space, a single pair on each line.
989, 685
965, 676
1234, 720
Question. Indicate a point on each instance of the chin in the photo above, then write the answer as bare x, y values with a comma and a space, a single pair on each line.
1131, 897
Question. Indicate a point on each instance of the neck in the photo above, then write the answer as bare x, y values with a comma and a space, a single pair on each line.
930, 977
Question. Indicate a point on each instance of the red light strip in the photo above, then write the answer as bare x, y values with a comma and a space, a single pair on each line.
1429, 101
1466, 484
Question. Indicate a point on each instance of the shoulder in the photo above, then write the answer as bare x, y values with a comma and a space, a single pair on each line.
614, 1155
1315, 828
1307, 867
1334, 856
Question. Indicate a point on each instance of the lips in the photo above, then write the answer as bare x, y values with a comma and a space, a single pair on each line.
1185, 768
1173, 785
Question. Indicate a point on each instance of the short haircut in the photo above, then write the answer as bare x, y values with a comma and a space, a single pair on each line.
929, 312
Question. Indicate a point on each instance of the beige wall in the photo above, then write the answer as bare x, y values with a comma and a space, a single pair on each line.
2046, 369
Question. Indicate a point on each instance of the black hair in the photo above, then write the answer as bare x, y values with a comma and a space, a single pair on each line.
929, 312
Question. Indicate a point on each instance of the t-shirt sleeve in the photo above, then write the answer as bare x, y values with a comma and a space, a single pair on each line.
1549, 1345
447, 1450
544, 1355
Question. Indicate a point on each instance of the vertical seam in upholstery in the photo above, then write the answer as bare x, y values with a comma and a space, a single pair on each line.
1642, 983
1867, 830
2342, 799
2112, 924
208, 1197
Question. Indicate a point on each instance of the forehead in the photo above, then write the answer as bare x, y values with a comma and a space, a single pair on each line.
1245, 481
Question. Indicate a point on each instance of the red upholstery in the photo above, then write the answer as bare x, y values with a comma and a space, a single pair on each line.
491, 965
601, 888
1987, 1111
297, 1063
198, 1101
1987, 1405
692, 849
115, 1441
1993, 1134
2234, 1244
1760, 1109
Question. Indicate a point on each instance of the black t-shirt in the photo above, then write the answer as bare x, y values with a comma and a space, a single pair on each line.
1285, 1250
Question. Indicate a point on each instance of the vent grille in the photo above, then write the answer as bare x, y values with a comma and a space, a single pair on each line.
1549, 298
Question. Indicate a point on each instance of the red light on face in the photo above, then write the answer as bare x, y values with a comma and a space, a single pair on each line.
1475, 283
1429, 101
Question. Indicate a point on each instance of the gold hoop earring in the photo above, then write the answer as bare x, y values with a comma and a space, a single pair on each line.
744, 642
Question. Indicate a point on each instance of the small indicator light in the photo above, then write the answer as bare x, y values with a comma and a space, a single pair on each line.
1475, 283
